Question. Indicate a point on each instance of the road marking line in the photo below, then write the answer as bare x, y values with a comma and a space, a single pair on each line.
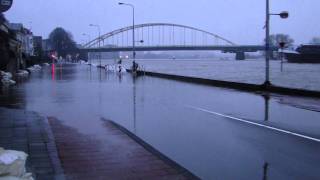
256, 124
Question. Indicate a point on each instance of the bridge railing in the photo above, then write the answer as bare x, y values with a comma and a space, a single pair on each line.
159, 34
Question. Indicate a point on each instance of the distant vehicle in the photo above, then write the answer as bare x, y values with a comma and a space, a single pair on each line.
304, 54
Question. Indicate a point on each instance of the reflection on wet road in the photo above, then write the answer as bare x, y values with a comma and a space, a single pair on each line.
215, 133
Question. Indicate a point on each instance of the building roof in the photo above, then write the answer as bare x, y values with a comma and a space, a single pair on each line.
16, 26
38, 38
4, 23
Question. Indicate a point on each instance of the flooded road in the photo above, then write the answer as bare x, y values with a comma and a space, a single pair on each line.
215, 133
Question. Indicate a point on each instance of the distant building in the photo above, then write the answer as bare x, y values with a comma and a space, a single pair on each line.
10, 51
3, 25
47, 49
37, 46
46, 45
25, 36
4, 43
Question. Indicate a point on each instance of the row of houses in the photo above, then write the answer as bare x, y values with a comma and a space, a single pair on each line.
19, 48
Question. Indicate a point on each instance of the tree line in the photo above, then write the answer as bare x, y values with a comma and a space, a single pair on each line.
276, 39
62, 41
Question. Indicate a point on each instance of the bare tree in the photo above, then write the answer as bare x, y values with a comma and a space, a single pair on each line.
62, 41
315, 40
275, 39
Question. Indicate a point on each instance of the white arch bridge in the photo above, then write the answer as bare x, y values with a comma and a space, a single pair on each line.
166, 37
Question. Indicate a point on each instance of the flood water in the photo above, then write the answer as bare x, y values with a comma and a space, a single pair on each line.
293, 75
175, 118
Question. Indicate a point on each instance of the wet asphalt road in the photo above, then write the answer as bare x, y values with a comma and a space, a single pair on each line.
215, 133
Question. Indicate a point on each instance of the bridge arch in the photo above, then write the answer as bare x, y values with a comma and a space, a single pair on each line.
161, 34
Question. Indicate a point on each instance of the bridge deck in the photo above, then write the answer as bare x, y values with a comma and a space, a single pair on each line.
230, 49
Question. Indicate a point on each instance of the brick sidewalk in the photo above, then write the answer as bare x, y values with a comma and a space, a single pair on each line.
27, 131
117, 157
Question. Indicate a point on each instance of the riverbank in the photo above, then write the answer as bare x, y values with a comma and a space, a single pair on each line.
233, 85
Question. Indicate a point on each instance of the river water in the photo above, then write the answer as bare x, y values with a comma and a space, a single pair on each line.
175, 118
301, 76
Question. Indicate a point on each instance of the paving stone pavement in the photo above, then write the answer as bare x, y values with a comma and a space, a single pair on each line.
118, 157
27, 131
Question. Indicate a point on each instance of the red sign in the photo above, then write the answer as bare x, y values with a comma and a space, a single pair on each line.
53, 55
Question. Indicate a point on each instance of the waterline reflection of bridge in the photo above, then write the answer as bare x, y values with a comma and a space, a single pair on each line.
167, 37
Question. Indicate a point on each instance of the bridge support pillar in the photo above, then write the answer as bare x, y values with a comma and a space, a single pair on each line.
84, 56
240, 56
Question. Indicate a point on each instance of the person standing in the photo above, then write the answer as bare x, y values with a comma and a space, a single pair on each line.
119, 65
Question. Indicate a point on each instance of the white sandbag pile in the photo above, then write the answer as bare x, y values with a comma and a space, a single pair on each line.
34, 68
37, 66
46, 64
82, 62
6, 78
121, 69
115, 68
12, 165
22, 73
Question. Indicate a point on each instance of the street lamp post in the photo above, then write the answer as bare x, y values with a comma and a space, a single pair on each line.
88, 36
93, 25
267, 81
283, 15
133, 32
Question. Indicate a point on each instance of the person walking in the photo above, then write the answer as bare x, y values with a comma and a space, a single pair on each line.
119, 65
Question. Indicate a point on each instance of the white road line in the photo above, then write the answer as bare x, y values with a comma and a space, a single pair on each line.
256, 124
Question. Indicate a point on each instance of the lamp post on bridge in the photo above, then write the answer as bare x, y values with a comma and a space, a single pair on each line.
88, 36
99, 29
133, 33
283, 15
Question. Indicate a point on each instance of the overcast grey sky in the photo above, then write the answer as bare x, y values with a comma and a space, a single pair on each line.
241, 21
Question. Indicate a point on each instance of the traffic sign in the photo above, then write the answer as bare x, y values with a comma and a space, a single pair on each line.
5, 5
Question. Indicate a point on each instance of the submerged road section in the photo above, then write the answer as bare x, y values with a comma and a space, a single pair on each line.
214, 133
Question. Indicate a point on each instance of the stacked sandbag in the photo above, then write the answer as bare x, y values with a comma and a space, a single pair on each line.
12, 165
6, 78
22, 73
34, 68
